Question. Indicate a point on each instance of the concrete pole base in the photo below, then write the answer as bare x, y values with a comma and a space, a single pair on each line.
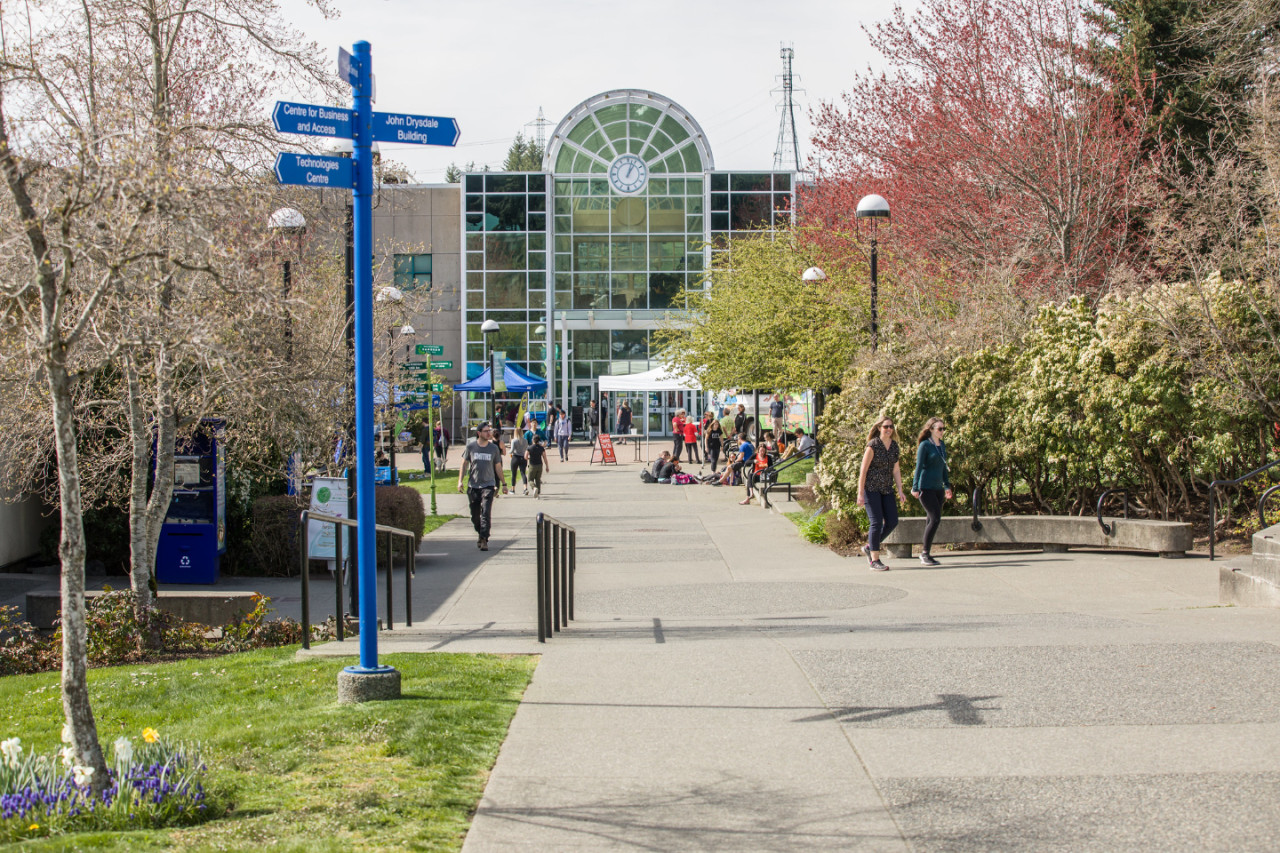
902, 552
368, 686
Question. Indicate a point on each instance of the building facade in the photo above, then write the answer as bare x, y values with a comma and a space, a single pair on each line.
581, 263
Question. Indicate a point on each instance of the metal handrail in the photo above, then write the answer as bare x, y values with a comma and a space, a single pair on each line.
1262, 519
557, 563
1109, 529
781, 465
976, 524
1213, 504
410, 552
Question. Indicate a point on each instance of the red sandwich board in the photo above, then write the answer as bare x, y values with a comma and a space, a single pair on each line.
607, 456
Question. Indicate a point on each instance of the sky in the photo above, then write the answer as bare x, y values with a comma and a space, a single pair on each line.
491, 64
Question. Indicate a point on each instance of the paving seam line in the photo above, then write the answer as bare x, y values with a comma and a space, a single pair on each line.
844, 732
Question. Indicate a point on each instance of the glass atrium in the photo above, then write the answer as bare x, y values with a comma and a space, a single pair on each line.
580, 265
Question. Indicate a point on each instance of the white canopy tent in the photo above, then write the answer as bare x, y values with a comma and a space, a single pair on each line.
662, 378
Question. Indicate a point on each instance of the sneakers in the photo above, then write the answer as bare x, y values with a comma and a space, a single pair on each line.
484, 544
526, 490
877, 566
866, 552
537, 492
928, 560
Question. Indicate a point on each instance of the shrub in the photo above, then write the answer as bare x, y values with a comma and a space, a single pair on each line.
22, 648
399, 506
814, 528
845, 531
274, 538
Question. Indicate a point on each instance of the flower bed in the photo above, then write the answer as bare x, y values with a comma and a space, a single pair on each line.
151, 785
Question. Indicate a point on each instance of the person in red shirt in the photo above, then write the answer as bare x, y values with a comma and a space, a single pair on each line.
677, 434
690, 430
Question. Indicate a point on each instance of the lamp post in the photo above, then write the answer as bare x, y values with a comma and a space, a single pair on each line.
290, 223
875, 208
394, 409
488, 328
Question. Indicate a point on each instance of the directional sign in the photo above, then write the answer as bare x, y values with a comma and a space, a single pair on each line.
312, 119
415, 130
346, 69
437, 387
414, 365
430, 349
314, 170
441, 365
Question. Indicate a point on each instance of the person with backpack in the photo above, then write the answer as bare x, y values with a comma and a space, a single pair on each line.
562, 431
483, 460
931, 482
537, 457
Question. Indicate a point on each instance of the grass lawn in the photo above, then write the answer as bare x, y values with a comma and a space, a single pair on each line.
796, 473
302, 772
435, 521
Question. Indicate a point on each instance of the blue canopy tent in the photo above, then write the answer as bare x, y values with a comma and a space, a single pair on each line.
518, 382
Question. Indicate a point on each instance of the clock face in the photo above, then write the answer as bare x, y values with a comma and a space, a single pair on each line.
628, 174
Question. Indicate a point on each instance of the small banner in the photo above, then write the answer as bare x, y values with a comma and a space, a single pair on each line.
607, 456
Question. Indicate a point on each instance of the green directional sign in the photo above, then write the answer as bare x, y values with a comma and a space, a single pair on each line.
441, 365
437, 387
430, 349
415, 365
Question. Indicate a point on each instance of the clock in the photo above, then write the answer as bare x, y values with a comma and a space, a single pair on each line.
628, 174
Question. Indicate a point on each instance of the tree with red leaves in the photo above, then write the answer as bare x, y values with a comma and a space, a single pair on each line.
1003, 153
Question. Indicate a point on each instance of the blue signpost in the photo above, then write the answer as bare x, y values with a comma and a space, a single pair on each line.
362, 126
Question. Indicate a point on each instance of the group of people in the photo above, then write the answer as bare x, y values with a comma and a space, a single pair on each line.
880, 476
481, 471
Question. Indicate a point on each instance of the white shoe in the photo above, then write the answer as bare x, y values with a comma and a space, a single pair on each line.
526, 490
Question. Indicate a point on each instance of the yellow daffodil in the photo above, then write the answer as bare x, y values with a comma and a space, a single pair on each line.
150, 735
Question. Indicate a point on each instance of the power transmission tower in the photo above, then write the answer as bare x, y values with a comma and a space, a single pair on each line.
541, 124
787, 153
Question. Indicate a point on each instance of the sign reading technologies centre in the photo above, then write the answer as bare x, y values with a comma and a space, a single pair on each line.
313, 170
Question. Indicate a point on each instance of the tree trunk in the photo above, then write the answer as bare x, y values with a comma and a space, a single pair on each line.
141, 559
71, 549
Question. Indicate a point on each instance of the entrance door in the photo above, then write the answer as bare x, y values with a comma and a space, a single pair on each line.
663, 406
583, 392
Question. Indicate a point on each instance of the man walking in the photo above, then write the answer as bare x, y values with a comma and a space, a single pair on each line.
484, 461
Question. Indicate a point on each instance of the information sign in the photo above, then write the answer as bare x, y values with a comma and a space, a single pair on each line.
314, 170
312, 119
429, 349
607, 455
441, 365
414, 365
415, 130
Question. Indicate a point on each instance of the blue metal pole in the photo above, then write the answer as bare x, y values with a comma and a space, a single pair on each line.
366, 542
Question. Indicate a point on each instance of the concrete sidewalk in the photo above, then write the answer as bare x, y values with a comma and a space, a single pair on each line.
728, 686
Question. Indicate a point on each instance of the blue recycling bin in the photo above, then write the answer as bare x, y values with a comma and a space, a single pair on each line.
194, 536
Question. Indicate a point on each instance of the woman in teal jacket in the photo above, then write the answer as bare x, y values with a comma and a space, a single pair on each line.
931, 483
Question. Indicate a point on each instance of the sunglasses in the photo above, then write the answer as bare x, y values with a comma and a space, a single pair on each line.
886, 426
940, 428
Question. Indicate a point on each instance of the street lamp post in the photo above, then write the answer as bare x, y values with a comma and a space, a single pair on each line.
290, 223
488, 328
875, 208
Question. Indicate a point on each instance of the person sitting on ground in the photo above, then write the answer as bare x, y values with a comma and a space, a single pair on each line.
669, 468
659, 462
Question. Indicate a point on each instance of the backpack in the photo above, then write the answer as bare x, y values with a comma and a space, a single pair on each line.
682, 479
646, 477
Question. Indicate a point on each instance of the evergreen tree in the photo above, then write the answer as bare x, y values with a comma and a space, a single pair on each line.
524, 155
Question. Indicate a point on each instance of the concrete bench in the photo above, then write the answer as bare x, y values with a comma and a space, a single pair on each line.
1050, 532
203, 606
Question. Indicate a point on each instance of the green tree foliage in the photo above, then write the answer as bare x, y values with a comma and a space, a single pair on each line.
524, 155
757, 324
1128, 394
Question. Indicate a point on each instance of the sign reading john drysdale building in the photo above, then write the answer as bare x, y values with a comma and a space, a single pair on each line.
580, 263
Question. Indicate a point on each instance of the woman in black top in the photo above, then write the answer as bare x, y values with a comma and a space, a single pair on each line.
715, 439
624, 420
879, 476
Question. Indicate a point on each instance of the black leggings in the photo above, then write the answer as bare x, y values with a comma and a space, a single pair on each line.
713, 453
519, 467
931, 500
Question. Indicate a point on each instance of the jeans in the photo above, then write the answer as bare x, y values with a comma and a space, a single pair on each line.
519, 466
481, 500
931, 500
426, 459
882, 512
691, 451
562, 441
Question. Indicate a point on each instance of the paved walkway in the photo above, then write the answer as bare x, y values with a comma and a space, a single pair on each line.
728, 686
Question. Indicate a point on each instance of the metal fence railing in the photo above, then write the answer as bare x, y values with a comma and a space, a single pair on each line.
557, 562
392, 533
